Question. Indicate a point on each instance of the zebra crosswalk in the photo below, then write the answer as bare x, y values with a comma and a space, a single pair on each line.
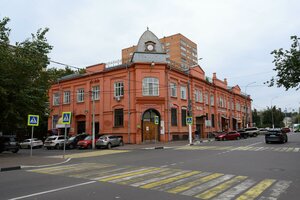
198, 184
241, 148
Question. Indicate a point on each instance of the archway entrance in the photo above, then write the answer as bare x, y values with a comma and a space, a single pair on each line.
151, 124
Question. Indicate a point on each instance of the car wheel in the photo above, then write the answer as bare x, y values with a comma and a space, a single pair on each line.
28, 146
109, 146
89, 146
238, 138
71, 146
56, 146
15, 151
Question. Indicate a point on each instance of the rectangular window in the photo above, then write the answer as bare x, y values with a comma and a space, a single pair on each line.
206, 98
198, 96
174, 116
173, 88
119, 89
56, 98
150, 86
80, 95
183, 116
67, 97
96, 92
119, 117
212, 120
183, 92
212, 100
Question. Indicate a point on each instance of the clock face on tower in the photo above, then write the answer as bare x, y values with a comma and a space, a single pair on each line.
150, 47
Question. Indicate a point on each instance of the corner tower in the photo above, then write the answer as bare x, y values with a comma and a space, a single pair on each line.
149, 49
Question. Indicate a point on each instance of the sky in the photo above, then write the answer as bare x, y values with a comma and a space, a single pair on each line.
234, 37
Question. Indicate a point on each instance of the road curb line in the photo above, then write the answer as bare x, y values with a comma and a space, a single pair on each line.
38, 166
4, 169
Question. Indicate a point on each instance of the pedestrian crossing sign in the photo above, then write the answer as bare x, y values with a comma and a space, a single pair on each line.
66, 117
189, 120
33, 120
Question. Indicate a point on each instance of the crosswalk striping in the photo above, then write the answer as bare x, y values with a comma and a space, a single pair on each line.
241, 148
220, 188
198, 184
256, 190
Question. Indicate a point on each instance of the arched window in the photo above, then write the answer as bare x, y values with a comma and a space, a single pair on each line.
150, 86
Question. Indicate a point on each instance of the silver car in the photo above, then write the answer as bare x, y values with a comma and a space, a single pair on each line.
35, 143
108, 141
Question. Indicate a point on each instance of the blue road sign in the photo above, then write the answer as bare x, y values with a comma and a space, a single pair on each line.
33, 120
66, 116
189, 120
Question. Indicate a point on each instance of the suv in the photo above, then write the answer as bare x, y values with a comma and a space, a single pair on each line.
252, 131
9, 143
53, 142
109, 141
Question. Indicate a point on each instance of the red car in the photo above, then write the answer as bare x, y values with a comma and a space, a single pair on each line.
232, 135
86, 143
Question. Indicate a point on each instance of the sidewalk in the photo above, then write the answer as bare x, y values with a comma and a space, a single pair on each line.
10, 161
14, 161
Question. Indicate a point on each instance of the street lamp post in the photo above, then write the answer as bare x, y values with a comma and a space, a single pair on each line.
272, 112
246, 102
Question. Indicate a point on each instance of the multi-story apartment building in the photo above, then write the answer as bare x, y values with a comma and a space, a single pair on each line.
147, 99
180, 50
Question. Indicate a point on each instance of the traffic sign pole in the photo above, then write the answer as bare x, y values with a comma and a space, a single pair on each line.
65, 141
31, 140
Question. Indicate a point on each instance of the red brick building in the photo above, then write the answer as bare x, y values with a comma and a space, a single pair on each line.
146, 99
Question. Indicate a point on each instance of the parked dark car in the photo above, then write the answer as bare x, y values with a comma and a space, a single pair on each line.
109, 141
232, 135
243, 134
276, 136
9, 143
72, 141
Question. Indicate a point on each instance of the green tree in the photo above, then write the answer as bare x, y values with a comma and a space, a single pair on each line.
22, 89
256, 118
287, 66
273, 115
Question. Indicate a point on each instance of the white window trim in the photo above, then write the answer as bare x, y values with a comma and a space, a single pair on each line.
183, 92
80, 95
96, 92
150, 86
67, 97
119, 89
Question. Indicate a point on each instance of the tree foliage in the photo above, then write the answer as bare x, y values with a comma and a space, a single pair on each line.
273, 115
287, 66
24, 79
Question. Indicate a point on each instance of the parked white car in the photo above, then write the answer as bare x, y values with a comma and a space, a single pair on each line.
53, 142
35, 143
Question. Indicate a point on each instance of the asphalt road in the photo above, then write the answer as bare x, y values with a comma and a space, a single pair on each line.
241, 169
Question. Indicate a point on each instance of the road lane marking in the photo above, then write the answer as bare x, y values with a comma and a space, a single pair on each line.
203, 187
144, 182
181, 182
220, 188
168, 180
137, 175
54, 190
296, 149
276, 190
194, 183
255, 191
233, 192
127, 174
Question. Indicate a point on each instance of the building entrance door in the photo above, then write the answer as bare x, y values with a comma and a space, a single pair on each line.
150, 128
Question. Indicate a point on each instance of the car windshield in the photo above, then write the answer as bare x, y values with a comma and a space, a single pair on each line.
50, 138
72, 138
88, 138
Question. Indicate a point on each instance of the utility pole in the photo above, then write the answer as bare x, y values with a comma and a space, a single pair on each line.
93, 140
189, 110
246, 106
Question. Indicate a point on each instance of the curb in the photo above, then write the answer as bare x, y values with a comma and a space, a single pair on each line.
4, 169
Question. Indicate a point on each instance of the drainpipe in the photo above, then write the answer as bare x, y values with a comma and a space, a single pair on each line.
128, 104
168, 106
